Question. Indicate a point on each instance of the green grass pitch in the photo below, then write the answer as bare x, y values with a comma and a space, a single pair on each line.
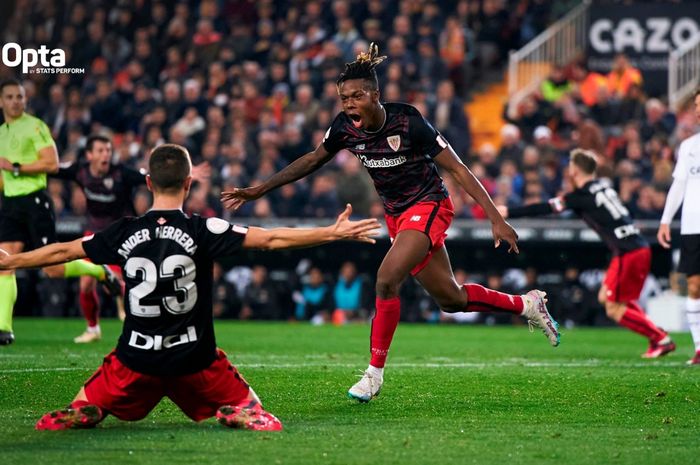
452, 394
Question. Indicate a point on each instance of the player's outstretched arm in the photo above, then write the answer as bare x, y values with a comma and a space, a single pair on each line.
53, 254
553, 205
450, 162
290, 238
674, 199
299, 168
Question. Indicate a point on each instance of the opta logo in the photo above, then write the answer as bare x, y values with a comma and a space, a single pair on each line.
13, 55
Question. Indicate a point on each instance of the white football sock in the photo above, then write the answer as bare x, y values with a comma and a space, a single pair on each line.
376, 372
692, 307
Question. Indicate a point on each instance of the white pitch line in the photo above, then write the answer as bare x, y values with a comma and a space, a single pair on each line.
466, 365
588, 364
41, 370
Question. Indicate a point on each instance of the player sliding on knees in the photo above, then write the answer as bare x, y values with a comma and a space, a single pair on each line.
108, 190
167, 346
597, 203
402, 153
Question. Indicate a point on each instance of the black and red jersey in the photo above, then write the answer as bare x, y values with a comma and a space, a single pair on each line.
166, 258
398, 157
598, 204
108, 197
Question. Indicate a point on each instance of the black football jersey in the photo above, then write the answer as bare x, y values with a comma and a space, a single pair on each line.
108, 197
166, 258
398, 157
598, 204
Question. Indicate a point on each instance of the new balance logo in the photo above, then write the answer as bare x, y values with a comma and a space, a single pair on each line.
415, 218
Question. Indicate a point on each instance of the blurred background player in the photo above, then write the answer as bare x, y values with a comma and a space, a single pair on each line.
27, 154
108, 190
686, 185
167, 345
402, 153
597, 203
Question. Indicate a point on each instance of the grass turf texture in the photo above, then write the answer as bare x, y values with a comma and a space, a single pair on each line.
453, 394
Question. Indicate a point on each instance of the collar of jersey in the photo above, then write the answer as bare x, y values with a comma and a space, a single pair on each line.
24, 116
166, 210
386, 117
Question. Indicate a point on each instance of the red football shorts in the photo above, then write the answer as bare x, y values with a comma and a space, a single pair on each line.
432, 218
626, 274
130, 396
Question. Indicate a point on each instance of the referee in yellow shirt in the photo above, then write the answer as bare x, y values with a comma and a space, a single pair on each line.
27, 154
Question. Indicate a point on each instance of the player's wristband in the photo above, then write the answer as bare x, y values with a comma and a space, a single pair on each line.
15, 169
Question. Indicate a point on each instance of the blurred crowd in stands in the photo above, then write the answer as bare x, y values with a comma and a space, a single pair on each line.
250, 85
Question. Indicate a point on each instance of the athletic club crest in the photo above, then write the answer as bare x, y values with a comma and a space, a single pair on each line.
394, 142
108, 182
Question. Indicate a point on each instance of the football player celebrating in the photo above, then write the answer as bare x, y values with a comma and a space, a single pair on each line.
167, 346
108, 190
597, 203
402, 153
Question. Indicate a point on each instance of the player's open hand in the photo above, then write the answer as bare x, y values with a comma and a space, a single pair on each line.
502, 231
234, 199
361, 231
664, 236
5, 164
3, 259
201, 172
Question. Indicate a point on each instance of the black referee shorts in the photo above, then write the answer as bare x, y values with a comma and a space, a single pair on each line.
29, 219
690, 254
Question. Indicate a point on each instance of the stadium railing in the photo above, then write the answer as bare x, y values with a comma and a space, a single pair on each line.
683, 72
559, 44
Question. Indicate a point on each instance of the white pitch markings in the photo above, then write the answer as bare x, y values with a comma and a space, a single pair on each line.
465, 365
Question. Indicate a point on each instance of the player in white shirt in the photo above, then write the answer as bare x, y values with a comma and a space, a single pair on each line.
686, 185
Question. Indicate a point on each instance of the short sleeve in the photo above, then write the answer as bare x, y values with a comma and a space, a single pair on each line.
335, 137
67, 171
424, 137
133, 177
41, 136
102, 247
222, 238
680, 171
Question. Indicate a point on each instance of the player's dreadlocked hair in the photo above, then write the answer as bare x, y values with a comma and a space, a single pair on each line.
363, 67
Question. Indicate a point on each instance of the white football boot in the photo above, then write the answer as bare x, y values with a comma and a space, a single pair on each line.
366, 388
536, 312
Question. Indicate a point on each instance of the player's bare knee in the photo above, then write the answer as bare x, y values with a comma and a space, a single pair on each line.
87, 283
387, 288
451, 306
614, 310
54, 271
452, 302
694, 287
